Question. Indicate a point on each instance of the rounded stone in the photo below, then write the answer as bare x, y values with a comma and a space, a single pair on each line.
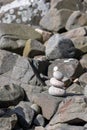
36, 108
56, 82
55, 68
56, 91
10, 95
58, 75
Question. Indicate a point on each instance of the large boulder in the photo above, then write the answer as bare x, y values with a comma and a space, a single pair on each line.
59, 47
72, 110
47, 103
10, 95
55, 20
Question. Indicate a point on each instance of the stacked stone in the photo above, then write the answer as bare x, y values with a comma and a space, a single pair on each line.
57, 88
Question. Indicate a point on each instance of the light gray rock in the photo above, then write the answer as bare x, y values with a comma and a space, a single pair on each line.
56, 83
36, 108
83, 61
59, 47
10, 95
72, 110
58, 75
76, 20
25, 114
55, 20
83, 79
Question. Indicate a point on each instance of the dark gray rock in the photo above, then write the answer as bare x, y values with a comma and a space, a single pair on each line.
55, 20
59, 47
25, 114
10, 95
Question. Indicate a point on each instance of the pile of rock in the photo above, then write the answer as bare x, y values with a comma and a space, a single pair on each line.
57, 88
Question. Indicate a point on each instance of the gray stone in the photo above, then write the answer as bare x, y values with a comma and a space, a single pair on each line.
77, 32
66, 4
69, 68
47, 103
71, 110
25, 114
33, 48
10, 95
39, 120
8, 122
59, 47
76, 20
74, 89
64, 127
36, 108
83, 61
55, 19
39, 128
83, 79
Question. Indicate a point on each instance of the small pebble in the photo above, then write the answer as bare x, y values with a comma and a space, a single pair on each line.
56, 91
58, 75
55, 68
56, 82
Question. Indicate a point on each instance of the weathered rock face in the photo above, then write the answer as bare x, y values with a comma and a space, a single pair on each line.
76, 19
25, 114
25, 11
47, 103
55, 19
83, 61
83, 79
59, 47
69, 67
33, 48
72, 110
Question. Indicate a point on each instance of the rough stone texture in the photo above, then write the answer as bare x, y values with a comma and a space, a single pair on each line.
77, 32
10, 95
8, 122
83, 61
74, 89
55, 19
64, 127
47, 103
72, 110
76, 19
33, 48
59, 47
40, 128
80, 42
83, 79
25, 114
39, 120
67, 4
69, 68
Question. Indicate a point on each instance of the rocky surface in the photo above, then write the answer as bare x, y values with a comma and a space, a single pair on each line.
43, 65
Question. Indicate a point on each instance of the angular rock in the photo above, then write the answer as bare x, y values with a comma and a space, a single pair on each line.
69, 68
77, 32
36, 108
8, 122
80, 43
55, 19
47, 103
66, 4
25, 114
33, 48
64, 127
76, 20
83, 79
59, 47
83, 61
39, 120
72, 110
10, 95
74, 89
